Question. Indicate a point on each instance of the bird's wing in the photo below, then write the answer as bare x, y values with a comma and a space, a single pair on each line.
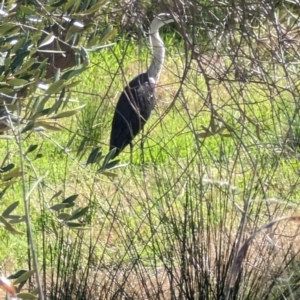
126, 122
132, 112
146, 93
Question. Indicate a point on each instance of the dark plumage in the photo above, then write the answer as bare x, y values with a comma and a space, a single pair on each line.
132, 112
137, 100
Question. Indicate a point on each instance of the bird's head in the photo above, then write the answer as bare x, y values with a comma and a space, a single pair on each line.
159, 21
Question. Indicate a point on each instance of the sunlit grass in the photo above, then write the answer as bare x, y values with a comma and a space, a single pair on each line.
173, 161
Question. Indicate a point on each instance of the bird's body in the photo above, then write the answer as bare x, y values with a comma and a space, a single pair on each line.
132, 112
137, 99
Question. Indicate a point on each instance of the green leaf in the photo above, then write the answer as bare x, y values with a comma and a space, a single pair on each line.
48, 125
25, 66
71, 140
112, 164
94, 156
203, 135
63, 216
17, 46
28, 126
59, 206
108, 157
69, 4
91, 10
17, 274
10, 209
56, 87
70, 204
27, 296
85, 5
70, 199
57, 103
9, 227
27, 10
109, 174
7, 28
99, 47
69, 74
67, 113
16, 219
109, 33
6, 90
40, 155
56, 75
73, 224
76, 210
117, 166
47, 40
31, 148
27, 46
82, 145
56, 195
72, 84
84, 53
93, 41
7, 168
40, 105
17, 82
78, 214
24, 277
19, 59
43, 64
40, 113
59, 3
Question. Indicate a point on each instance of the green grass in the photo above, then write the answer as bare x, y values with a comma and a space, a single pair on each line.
178, 180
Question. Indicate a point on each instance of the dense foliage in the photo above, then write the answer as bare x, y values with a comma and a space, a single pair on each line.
207, 210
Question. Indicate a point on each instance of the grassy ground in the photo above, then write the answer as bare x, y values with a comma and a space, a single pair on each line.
197, 176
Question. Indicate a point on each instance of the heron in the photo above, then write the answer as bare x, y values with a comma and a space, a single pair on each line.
137, 99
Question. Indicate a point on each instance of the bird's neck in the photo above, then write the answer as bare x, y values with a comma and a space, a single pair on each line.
158, 52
